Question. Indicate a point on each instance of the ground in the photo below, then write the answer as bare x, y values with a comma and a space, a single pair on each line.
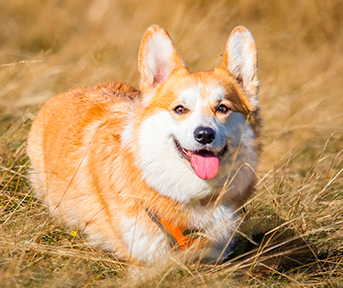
291, 234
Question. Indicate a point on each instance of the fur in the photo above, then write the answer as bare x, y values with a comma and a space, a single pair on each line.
103, 156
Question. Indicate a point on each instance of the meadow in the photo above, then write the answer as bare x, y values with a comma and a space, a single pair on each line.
291, 234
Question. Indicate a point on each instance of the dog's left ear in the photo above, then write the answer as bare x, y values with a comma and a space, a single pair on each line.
158, 58
240, 58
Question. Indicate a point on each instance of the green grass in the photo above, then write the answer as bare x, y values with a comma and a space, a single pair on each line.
291, 234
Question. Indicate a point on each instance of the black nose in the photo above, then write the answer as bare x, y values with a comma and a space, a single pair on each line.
204, 135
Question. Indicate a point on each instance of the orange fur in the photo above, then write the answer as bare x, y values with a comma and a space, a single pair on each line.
89, 179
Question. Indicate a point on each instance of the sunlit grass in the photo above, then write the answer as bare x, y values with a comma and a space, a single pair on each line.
291, 233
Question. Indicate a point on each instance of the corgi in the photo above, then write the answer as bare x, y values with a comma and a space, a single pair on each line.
160, 170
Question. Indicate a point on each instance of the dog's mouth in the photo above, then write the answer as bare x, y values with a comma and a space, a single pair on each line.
204, 162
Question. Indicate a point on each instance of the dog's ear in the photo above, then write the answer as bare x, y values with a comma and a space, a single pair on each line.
240, 58
157, 58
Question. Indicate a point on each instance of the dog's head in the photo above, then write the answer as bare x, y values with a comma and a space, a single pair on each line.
192, 130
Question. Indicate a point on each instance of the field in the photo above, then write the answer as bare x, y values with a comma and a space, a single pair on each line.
292, 233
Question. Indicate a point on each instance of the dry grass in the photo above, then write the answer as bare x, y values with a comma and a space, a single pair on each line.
292, 232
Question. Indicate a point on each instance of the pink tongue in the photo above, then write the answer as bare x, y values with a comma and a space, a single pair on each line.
205, 165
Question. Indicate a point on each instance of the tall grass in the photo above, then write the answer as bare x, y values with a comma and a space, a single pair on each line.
292, 229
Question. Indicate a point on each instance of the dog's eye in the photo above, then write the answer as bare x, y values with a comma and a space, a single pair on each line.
223, 109
180, 109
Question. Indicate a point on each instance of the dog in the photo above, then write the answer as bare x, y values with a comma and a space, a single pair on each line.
160, 170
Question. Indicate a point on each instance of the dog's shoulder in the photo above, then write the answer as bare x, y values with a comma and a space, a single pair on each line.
115, 90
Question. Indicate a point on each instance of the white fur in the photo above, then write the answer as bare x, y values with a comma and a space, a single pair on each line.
170, 175
164, 169
126, 136
159, 58
218, 222
241, 57
216, 94
143, 246
158, 159
242, 62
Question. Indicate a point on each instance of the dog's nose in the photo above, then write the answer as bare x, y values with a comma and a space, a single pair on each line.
204, 135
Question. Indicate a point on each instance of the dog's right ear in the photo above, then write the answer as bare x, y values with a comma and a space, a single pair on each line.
157, 58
